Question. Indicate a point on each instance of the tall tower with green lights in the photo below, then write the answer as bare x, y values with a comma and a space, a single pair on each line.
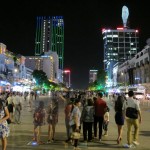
50, 36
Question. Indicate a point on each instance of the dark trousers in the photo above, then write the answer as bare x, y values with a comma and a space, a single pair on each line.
87, 128
105, 125
98, 120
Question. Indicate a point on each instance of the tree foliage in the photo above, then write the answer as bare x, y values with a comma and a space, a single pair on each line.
101, 77
100, 83
39, 76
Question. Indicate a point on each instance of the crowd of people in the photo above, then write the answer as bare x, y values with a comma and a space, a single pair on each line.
92, 117
10, 108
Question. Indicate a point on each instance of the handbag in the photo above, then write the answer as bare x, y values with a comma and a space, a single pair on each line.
75, 135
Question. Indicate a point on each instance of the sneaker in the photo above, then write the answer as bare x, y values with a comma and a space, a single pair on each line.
128, 146
41, 143
100, 140
48, 141
105, 134
136, 143
52, 139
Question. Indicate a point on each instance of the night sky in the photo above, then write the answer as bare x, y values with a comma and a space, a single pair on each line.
83, 22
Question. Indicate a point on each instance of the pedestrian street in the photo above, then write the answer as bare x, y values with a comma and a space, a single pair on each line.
21, 135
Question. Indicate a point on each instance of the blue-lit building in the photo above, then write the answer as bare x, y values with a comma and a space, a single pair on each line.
50, 36
120, 45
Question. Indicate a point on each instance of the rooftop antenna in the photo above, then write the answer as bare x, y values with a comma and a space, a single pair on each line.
125, 14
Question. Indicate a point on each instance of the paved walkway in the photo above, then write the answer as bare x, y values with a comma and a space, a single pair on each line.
21, 135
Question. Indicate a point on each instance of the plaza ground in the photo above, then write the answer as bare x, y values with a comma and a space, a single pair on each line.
21, 134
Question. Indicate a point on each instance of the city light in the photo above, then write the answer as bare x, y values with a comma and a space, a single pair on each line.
67, 79
67, 71
120, 28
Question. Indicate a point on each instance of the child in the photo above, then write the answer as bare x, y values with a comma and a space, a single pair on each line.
106, 122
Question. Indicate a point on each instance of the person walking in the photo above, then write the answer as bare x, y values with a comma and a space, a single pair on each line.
106, 121
4, 129
119, 117
52, 119
17, 100
38, 121
10, 106
68, 109
132, 112
100, 109
87, 117
75, 118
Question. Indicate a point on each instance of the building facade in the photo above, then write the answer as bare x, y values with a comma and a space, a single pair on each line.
135, 71
120, 45
48, 63
13, 73
50, 36
92, 75
67, 78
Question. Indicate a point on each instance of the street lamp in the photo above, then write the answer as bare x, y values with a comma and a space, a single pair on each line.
123, 78
15, 70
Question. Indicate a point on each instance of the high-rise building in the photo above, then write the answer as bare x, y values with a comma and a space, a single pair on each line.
48, 63
92, 76
120, 45
66, 78
50, 36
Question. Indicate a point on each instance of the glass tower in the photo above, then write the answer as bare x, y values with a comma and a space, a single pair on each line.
50, 36
119, 45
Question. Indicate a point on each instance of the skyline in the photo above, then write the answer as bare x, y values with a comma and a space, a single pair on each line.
83, 22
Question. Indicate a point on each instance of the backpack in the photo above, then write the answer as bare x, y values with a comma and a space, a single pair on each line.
38, 116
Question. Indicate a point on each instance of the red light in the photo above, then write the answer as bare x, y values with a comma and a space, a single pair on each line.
103, 29
120, 28
136, 31
66, 71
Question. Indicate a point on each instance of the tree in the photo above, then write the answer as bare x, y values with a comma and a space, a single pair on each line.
39, 76
101, 79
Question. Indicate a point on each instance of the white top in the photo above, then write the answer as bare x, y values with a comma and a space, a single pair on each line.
16, 100
106, 116
10, 99
131, 102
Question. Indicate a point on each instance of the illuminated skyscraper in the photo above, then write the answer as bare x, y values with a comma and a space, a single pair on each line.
66, 78
119, 45
92, 76
50, 36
